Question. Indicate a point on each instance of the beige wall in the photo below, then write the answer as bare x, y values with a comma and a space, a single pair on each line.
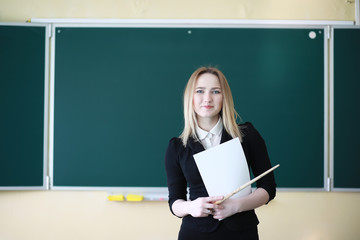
21, 10
59, 215
89, 215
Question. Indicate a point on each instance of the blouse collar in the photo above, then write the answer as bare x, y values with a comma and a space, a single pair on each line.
216, 130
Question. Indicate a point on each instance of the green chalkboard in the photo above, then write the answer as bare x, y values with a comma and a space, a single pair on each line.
118, 98
22, 96
346, 108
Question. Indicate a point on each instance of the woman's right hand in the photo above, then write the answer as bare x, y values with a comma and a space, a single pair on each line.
203, 206
200, 207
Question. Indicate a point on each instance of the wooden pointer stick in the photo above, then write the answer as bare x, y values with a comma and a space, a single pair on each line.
247, 184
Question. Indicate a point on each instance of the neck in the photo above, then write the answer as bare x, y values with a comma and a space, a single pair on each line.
207, 123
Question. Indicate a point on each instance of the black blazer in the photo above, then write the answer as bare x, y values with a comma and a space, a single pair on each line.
182, 172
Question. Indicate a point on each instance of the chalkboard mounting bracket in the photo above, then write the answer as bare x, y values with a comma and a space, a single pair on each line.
47, 182
328, 185
49, 32
328, 34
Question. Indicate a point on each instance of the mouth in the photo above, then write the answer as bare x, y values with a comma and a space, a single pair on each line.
207, 107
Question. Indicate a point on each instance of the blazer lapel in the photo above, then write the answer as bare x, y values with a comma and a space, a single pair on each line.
225, 137
195, 146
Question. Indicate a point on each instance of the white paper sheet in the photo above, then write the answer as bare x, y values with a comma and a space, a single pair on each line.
224, 168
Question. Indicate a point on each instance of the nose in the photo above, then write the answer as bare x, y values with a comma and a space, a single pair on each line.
207, 97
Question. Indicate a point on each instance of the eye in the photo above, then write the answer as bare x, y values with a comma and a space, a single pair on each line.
199, 91
216, 92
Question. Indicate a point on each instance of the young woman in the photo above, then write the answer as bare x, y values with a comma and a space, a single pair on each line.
210, 119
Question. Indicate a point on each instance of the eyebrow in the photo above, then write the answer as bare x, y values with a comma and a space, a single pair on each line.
210, 88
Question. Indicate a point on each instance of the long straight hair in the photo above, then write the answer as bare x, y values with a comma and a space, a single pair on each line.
228, 112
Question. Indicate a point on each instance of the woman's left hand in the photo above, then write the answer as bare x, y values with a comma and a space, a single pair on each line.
226, 208
234, 205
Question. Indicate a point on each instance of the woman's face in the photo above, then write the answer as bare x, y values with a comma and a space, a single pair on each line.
208, 97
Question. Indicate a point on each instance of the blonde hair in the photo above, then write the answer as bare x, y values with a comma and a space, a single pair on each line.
228, 112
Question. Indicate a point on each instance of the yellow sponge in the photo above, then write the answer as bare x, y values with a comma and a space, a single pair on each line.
116, 198
134, 198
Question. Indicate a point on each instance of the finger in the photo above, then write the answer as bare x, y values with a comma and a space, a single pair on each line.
214, 198
216, 215
209, 211
218, 207
209, 205
212, 206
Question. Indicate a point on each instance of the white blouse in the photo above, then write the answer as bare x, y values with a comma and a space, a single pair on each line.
211, 138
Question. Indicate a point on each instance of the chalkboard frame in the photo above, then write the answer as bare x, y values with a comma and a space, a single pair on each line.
195, 25
45, 183
332, 133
